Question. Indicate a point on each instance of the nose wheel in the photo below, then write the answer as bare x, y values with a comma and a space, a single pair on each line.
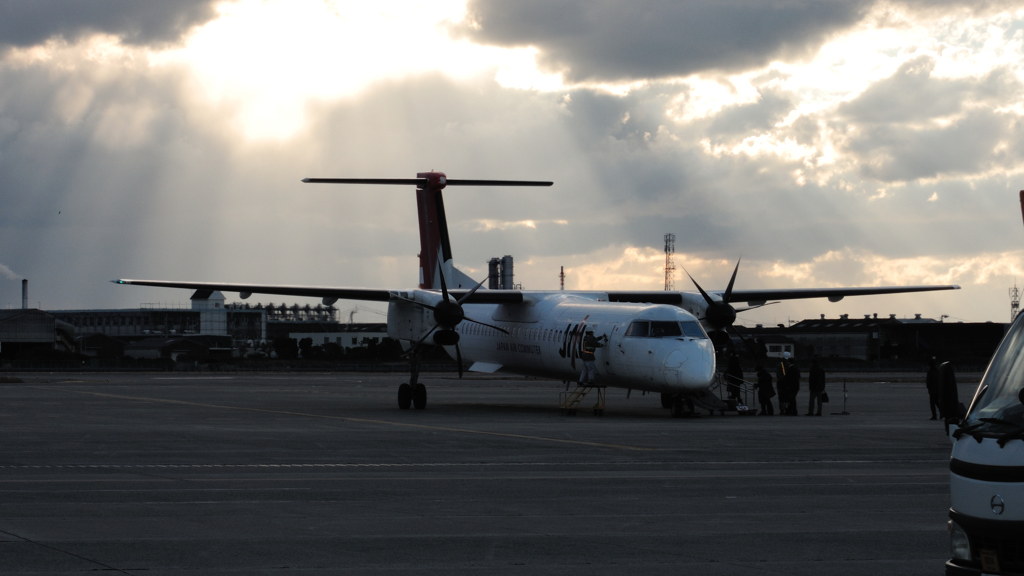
682, 407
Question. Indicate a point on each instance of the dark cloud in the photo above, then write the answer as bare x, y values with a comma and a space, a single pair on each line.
613, 40
912, 94
31, 22
760, 116
895, 153
914, 125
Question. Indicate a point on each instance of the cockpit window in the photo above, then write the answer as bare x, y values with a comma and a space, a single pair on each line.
666, 329
998, 401
693, 329
638, 329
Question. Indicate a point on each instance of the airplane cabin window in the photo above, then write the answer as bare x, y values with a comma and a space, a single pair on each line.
638, 329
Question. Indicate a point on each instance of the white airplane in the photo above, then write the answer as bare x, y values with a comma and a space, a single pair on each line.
657, 341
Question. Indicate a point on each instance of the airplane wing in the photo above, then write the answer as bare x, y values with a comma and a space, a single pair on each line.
311, 291
369, 294
755, 297
833, 294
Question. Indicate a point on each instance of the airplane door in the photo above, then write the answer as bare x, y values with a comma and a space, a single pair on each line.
611, 353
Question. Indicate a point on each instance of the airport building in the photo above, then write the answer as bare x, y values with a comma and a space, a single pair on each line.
346, 335
885, 338
208, 314
27, 331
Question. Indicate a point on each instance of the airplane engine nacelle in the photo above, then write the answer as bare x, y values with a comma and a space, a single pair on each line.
408, 321
446, 337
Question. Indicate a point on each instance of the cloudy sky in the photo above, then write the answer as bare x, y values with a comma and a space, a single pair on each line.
828, 143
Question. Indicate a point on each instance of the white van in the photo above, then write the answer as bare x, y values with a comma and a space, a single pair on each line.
986, 471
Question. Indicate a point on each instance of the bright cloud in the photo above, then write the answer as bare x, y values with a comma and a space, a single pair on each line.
486, 225
271, 57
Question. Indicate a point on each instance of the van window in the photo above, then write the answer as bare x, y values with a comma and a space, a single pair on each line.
999, 404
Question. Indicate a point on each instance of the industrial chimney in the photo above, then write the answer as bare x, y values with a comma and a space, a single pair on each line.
24, 294
494, 274
506, 273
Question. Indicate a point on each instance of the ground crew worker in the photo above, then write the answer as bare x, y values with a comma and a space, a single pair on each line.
934, 385
816, 385
590, 345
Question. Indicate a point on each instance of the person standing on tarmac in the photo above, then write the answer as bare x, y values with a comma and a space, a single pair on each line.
934, 385
816, 386
793, 384
734, 378
782, 383
590, 345
765, 391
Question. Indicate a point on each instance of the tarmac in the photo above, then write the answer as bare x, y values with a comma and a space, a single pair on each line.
167, 473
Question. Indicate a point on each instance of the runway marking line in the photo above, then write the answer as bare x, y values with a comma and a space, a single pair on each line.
106, 567
350, 419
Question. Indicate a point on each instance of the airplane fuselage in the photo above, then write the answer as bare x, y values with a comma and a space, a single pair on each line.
651, 347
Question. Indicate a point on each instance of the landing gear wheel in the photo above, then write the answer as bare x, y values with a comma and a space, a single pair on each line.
666, 400
419, 396
683, 409
404, 396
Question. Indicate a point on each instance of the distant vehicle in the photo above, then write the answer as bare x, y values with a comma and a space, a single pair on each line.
779, 350
658, 341
986, 470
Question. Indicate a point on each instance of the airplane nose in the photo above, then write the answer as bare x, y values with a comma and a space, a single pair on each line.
674, 360
692, 368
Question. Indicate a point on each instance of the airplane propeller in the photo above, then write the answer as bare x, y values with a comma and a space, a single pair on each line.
721, 314
447, 315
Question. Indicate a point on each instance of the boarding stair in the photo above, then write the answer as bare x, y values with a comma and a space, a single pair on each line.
570, 400
716, 399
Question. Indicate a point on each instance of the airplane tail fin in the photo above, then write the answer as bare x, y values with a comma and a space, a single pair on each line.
435, 248
435, 245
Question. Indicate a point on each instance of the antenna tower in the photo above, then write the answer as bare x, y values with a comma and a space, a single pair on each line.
1014, 302
561, 277
670, 267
